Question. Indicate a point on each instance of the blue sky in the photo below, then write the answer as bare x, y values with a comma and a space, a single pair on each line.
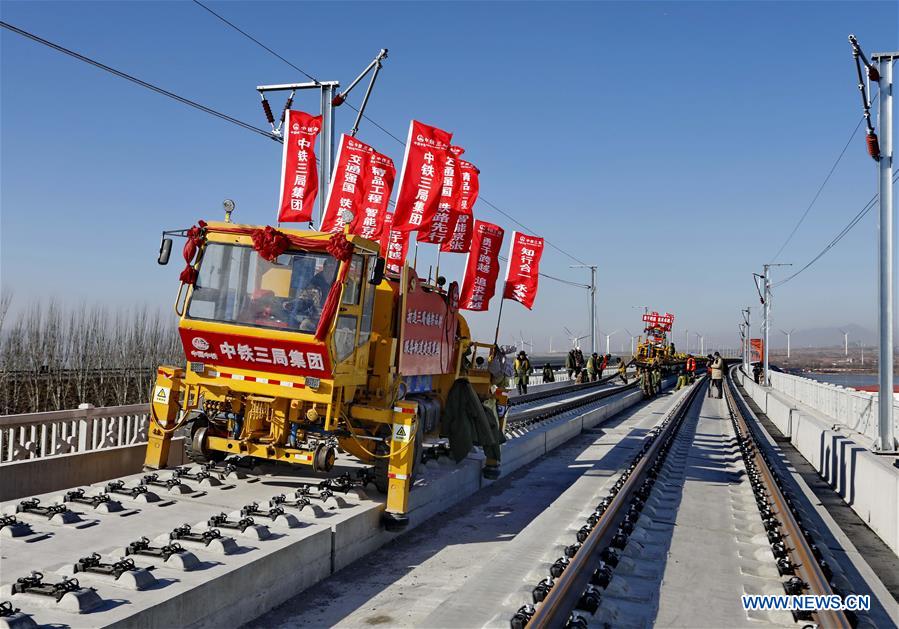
673, 144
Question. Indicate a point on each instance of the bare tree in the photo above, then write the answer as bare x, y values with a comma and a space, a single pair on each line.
51, 358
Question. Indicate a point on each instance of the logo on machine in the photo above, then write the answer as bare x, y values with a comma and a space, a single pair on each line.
200, 343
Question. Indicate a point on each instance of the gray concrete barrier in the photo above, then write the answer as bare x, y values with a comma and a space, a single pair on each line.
30, 477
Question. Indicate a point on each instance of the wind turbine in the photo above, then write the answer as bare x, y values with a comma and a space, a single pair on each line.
788, 333
845, 342
525, 343
632, 339
574, 338
609, 336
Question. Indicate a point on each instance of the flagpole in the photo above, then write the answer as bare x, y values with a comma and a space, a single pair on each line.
499, 317
437, 269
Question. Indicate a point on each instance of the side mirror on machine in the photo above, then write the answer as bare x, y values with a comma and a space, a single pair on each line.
377, 272
165, 250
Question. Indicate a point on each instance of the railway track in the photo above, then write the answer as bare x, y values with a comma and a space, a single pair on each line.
633, 531
434, 577
531, 411
574, 387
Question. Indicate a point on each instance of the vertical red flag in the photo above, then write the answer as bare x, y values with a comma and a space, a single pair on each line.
347, 189
481, 267
380, 174
394, 246
385, 233
462, 217
435, 229
523, 270
421, 177
299, 172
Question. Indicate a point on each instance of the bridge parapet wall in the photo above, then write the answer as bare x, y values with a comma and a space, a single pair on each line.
856, 410
39, 435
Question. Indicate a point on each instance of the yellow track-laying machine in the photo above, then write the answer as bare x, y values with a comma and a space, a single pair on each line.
299, 349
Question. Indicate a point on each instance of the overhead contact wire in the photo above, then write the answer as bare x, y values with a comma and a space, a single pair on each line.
142, 83
820, 189
842, 233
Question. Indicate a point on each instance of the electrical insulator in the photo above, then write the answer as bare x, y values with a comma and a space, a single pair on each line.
268, 112
337, 101
286, 107
873, 146
873, 74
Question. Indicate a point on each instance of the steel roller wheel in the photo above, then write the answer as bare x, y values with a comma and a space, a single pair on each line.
195, 448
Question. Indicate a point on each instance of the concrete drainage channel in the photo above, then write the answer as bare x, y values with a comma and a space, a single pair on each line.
179, 549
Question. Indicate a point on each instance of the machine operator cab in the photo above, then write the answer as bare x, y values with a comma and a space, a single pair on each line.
237, 290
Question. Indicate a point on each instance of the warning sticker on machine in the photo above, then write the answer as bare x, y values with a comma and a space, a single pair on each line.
161, 395
402, 433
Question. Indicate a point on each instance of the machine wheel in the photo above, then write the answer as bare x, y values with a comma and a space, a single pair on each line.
324, 457
394, 522
195, 447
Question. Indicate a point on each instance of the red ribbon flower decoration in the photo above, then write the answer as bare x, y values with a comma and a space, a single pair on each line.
195, 237
269, 242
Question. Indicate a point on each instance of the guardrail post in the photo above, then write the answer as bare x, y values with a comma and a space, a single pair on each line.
85, 429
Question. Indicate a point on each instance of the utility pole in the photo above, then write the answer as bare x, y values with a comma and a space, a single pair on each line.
766, 302
747, 319
884, 61
742, 328
592, 268
881, 71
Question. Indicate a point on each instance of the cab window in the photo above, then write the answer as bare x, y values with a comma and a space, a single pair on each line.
353, 286
367, 310
236, 285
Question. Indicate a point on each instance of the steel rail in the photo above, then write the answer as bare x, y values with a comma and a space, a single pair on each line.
533, 416
554, 611
798, 547
570, 388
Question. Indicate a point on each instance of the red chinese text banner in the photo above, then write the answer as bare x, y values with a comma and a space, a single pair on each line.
379, 185
421, 178
361, 184
347, 183
756, 350
460, 224
481, 267
299, 172
394, 246
523, 270
435, 229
